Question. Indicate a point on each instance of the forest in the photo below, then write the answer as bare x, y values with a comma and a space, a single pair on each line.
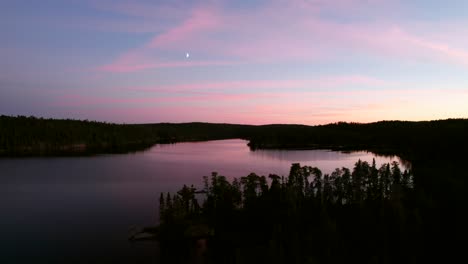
363, 215
410, 140
31, 136
303, 218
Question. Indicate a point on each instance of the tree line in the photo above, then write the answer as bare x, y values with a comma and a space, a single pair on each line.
439, 139
425, 140
23, 135
362, 215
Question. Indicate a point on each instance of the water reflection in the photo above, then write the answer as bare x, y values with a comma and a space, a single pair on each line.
309, 155
56, 208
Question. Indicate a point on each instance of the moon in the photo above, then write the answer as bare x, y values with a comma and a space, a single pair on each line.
187, 55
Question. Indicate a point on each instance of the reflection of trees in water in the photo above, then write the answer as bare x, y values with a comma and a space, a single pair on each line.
295, 155
405, 163
321, 155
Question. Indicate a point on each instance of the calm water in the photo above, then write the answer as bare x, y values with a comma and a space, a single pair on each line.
82, 209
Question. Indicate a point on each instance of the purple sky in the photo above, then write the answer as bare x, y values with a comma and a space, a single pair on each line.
255, 62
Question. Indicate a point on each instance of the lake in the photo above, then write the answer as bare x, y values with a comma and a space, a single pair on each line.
83, 209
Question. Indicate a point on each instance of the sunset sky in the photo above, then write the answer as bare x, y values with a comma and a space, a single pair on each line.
251, 62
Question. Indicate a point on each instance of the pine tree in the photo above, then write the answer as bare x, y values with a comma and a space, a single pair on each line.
162, 207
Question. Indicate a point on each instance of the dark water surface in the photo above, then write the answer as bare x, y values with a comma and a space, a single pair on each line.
82, 209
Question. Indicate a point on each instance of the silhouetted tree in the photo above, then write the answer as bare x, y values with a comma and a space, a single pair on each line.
169, 209
347, 186
396, 173
385, 179
338, 188
317, 183
406, 179
327, 189
374, 191
162, 207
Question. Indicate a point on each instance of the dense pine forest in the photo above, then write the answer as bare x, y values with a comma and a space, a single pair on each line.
426, 139
31, 136
363, 215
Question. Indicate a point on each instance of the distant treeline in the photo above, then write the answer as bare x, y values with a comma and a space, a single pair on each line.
411, 140
38, 136
363, 215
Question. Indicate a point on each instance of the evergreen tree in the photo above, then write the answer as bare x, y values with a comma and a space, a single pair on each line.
162, 207
347, 186
373, 186
337, 181
385, 176
327, 189
396, 173
317, 183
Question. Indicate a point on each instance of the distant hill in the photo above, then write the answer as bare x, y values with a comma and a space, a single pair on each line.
444, 138
38, 136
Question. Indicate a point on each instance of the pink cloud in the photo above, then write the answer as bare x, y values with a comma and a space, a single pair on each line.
322, 82
77, 100
313, 107
201, 19
282, 33
396, 41
443, 50
185, 94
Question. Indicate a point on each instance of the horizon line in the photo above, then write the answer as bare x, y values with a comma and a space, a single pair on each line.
223, 123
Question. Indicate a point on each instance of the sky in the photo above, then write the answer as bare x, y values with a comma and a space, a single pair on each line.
250, 62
